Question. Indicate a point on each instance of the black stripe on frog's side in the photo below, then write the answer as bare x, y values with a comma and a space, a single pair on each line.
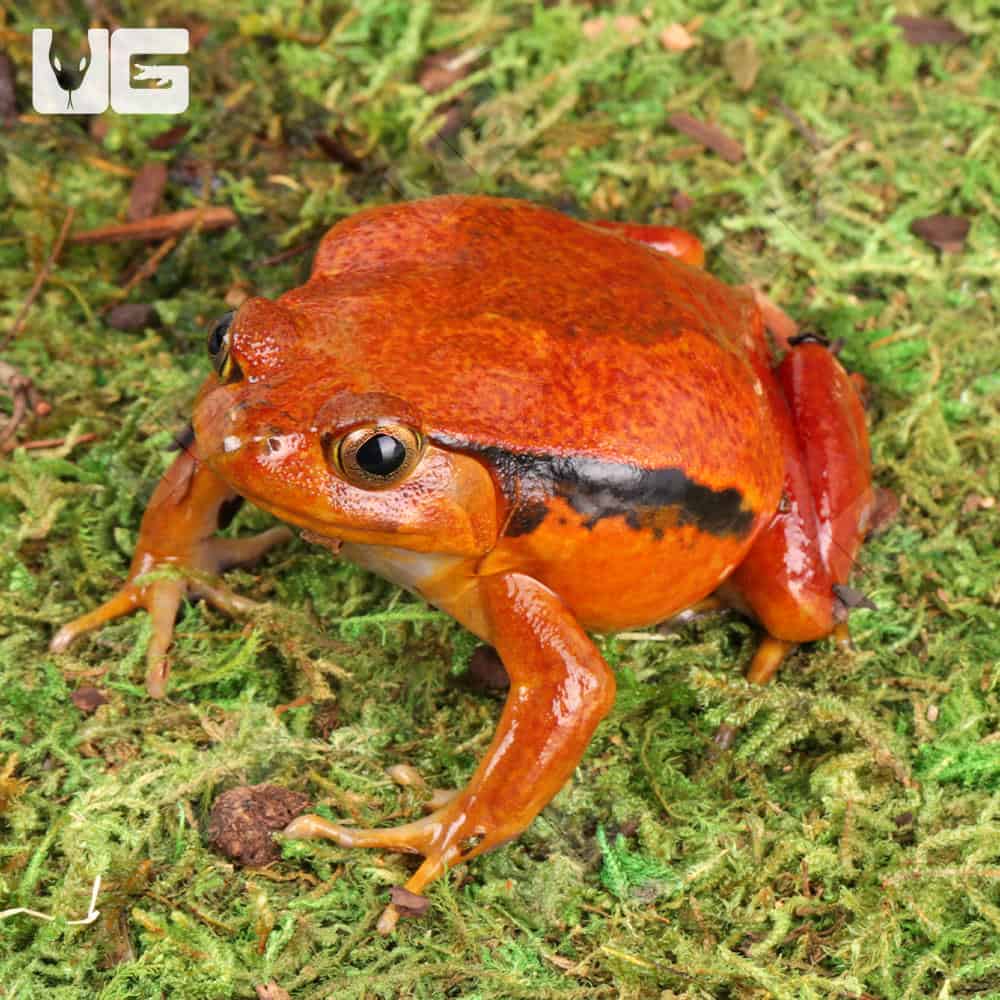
595, 488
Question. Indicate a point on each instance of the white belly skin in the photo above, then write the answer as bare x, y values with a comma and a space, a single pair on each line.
446, 581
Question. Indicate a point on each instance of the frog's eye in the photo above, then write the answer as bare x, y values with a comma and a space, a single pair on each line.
377, 456
219, 349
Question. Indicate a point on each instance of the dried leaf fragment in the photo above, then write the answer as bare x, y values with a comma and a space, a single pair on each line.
147, 190
929, 30
946, 232
408, 903
272, 991
88, 699
676, 38
709, 135
742, 62
441, 70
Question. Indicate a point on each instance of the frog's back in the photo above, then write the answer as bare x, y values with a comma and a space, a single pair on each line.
516, 329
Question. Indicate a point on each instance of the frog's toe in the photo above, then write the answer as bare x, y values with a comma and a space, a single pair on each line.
770, 655
126, 600
229, 552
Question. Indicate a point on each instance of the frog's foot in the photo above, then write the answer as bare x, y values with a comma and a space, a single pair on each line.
452, 834
560, 688
162, 597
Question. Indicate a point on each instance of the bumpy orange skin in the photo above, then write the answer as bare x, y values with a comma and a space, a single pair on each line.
604, 443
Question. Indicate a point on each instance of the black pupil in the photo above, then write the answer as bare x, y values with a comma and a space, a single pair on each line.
218, 334
381, 455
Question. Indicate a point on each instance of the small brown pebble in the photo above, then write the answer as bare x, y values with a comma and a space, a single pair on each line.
486, 671
8, 96
903, 819
946, 232
709, 135
243, 820
147, 189
929, 30
88, 699
170, 138
408, 903
406, 775
131, 316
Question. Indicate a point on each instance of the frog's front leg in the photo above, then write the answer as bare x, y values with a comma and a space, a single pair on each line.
560, 690
188, 505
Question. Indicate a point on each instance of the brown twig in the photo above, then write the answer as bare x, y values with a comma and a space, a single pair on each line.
41, 276
161, 227
9, 446
25, 401
148, 268
799, 124
708, 135
283, 255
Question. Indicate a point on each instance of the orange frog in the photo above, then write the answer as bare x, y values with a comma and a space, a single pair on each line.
539, 425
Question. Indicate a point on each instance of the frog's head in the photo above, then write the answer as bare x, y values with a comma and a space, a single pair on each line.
296, 423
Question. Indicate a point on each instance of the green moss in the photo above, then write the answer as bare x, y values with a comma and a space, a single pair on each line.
846, 846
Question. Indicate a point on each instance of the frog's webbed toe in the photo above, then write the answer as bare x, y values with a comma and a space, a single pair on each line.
162, 599
456, 832
177, 533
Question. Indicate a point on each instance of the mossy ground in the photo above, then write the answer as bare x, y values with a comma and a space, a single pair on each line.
847, 846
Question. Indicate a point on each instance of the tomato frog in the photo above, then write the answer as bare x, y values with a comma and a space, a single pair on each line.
542, 426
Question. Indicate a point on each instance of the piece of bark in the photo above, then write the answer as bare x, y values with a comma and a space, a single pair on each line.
131, 316
160, 227
929, 30
946, 232
710, 136
8, 95
148, 186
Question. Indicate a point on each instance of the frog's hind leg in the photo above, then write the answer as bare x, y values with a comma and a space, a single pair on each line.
788, 579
